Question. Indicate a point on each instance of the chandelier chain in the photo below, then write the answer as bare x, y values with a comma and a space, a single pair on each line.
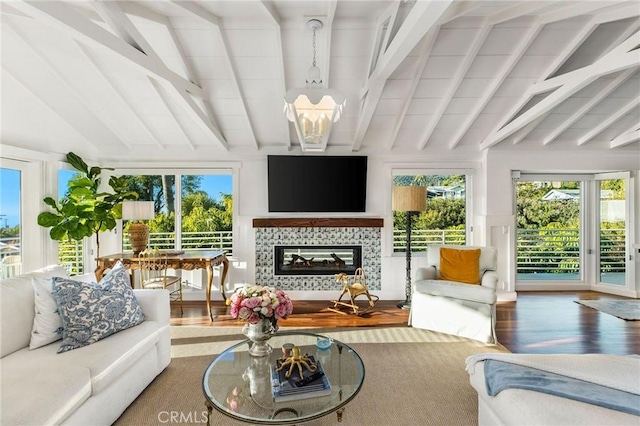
314, 47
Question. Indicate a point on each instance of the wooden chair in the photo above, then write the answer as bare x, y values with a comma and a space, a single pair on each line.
153, 274
355, 289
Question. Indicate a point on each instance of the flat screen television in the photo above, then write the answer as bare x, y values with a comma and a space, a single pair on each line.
322, 184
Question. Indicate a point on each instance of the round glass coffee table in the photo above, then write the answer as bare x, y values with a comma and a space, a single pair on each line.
240, 386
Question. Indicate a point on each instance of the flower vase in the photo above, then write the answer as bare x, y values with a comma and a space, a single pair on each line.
259, 334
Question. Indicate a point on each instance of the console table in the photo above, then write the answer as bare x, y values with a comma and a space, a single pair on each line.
186, 260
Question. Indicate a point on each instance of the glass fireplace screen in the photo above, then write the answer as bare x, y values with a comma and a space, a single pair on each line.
317, 260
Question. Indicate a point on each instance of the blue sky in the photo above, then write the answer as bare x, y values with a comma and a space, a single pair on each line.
9, 197
10, 191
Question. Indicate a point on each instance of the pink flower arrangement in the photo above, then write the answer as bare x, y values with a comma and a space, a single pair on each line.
256, 302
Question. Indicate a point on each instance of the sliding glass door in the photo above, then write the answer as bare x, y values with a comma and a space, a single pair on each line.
612, 229
573, 229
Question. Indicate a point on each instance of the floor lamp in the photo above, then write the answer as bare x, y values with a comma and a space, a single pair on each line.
409, 199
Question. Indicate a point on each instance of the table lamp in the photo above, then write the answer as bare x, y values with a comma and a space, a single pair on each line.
138, 231
409, 199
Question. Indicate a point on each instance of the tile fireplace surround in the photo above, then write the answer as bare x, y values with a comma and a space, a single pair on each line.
365, 232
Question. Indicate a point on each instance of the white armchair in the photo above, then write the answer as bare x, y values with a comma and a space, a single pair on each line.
466, 310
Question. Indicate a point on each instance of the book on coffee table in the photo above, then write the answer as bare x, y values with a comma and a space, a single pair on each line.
291, 388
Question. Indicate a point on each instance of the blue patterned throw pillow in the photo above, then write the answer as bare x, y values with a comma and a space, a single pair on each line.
93, 311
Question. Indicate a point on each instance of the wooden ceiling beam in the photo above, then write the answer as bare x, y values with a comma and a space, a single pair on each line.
621, 112
51, 68
116, 92
174, 114
271, 12
456, 80
425, 51
500, 77
79, 27
215, 21
120, 22
421, 19
628, 137
583, 110
621, 58
89, 138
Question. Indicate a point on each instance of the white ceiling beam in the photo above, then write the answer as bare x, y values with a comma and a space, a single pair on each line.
53, 70
328, 27
623, 62
120, 23
456, 80
368, 107
521, 9
574, 9
617, 12
621, 58
271, 12
421, 19
626, 138
592, 102
79, 27
116, 92
113, 14
500, 77
621, 112
524, 132
165, 99
570, 49
202, 13
89, 138
425, 51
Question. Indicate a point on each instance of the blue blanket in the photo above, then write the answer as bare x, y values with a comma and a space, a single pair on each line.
501, 375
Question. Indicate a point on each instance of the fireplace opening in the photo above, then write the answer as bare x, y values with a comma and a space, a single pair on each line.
317, 260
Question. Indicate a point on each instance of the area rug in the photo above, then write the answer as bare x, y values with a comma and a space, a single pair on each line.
412, 377
625, 309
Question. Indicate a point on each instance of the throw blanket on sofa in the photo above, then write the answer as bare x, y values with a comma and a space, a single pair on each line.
607, 380
503, 375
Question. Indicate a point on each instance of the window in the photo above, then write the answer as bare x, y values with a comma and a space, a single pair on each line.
548, 230
443, 222
70, 253
192, 211
10, 217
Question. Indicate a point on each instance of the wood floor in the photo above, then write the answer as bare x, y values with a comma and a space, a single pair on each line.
539, 322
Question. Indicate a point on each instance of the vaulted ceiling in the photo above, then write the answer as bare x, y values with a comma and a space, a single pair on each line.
206, 79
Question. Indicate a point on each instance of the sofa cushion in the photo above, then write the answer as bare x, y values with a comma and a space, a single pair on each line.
456, 290
17, 308
47, 323
460, 265
93, 311
38, 395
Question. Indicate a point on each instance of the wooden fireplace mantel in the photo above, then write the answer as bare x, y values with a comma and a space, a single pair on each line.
317, 222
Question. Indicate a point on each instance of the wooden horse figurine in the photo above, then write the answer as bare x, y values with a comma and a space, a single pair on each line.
355, 289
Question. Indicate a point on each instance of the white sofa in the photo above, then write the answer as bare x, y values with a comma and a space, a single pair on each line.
92, 385
464, 310
524, 407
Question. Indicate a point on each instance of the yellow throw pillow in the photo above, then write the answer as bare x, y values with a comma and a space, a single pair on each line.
460, 265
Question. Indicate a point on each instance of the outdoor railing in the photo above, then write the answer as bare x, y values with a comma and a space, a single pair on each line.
538, 250
422, 238
206, 240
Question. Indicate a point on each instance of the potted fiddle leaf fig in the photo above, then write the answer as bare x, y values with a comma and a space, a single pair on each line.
85, 210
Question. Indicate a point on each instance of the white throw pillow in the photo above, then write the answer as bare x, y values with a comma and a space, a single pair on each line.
47, 323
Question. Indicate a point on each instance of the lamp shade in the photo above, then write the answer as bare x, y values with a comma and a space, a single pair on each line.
137, 210
409, 198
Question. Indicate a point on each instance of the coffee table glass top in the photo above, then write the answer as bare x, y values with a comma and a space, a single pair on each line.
239, 385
